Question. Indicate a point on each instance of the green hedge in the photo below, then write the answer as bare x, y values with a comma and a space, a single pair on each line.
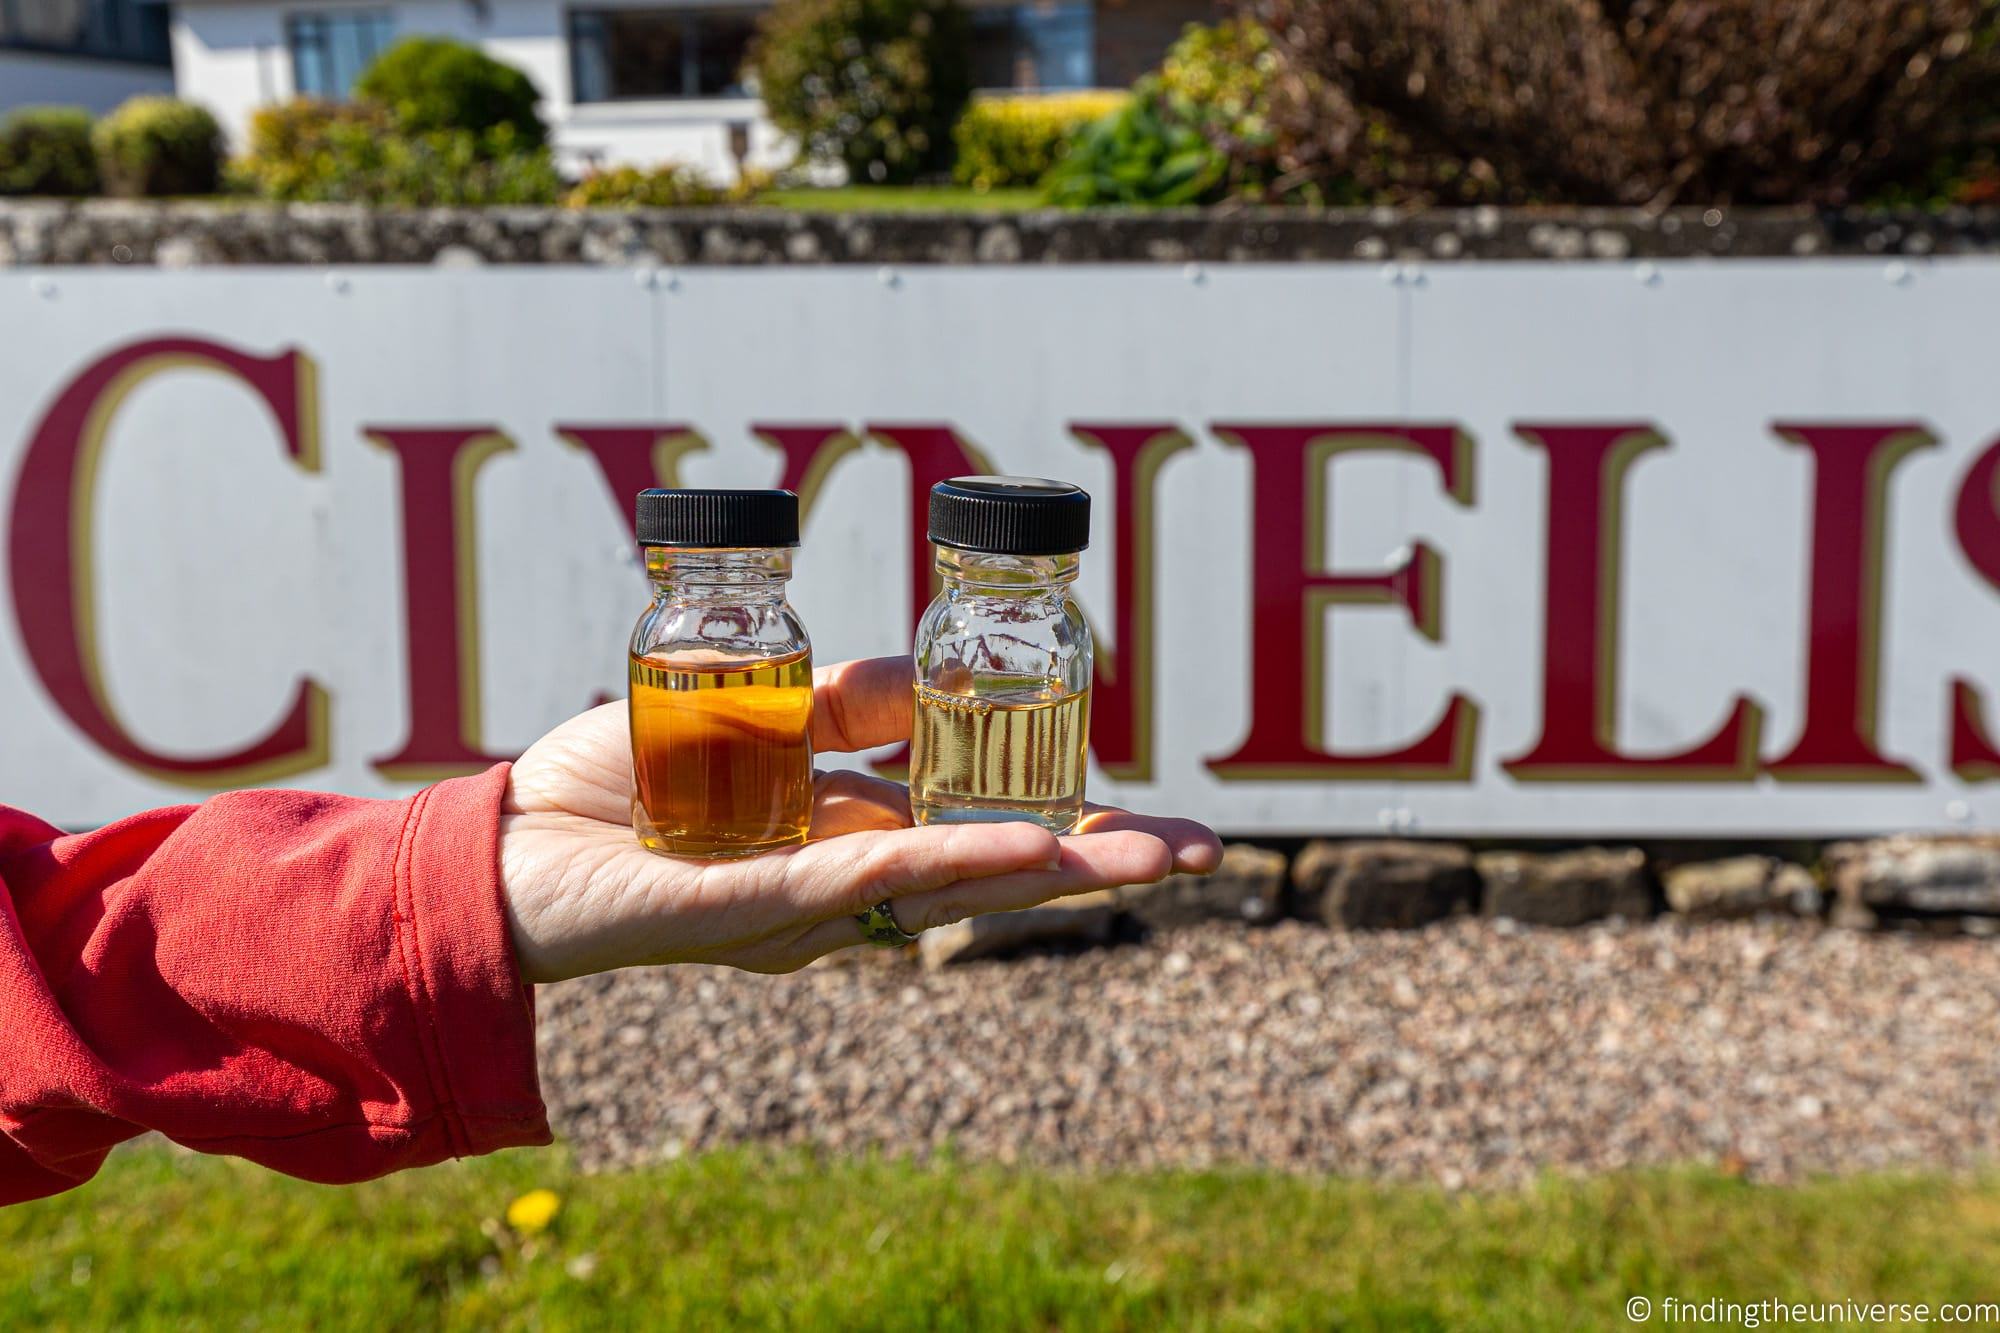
875, 85
46, 150
321, 152
433, 83
672, 185
1014, 141
155, 146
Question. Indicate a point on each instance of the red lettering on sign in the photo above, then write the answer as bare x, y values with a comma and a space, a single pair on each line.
49, 553
810, 453
1121, 705
1976, 520
1579, 741
1843, 686
635, 458
440, 597
1290, 520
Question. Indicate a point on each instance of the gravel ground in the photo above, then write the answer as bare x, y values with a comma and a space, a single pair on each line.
1464, 1053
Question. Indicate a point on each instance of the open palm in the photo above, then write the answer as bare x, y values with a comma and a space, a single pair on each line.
584, 896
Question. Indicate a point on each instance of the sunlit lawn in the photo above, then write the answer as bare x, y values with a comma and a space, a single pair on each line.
167, 1240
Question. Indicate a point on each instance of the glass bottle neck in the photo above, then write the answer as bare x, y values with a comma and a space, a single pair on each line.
1005, 575
735, 574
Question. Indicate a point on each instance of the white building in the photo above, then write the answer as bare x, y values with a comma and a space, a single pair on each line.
88, 53
639, 81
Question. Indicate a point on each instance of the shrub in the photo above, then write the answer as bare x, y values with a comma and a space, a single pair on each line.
872, 84
158, 146
320, 152
670, 186
46, 150
295, 147
1223, 118
1231, 79
433, 83
1150, 153
1711, 101
1005, 141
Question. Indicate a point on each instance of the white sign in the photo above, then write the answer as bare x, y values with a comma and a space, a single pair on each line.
1514, 548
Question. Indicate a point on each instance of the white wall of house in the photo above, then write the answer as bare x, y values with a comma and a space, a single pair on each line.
36, 79
231, 55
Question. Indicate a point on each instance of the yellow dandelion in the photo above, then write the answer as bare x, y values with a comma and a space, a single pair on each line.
533, 1211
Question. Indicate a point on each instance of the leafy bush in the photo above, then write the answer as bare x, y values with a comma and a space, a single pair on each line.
670, 186
320, 152
873, 84
1152, 153
1231, 79
1220, 119
46, 150
158, 146
433, 83
293, 147
1005, 141
1654, 101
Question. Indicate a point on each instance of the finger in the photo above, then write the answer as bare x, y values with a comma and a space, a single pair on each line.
845, 802
842, 876
1195, 847
860, 705
1089, 862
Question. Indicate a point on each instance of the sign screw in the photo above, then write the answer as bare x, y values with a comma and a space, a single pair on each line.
1896, 272
1195, 274
337, 283
1648, 274
43, 288
888, 277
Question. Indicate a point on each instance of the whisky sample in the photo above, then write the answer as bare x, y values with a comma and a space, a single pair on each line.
721, 752
1007, 749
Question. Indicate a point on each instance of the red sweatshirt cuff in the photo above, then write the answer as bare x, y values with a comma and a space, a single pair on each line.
451, 923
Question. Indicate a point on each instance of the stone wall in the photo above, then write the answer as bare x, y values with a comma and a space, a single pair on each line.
184, 234
1934, 885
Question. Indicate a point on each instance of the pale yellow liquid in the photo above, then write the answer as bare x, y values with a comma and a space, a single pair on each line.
1012, 750
721, 754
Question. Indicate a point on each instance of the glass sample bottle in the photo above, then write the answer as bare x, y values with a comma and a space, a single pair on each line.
721, 673
1003, 657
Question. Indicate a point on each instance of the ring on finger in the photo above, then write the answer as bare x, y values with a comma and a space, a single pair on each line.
878, 926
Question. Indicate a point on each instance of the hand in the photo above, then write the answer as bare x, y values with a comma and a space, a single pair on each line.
583, 895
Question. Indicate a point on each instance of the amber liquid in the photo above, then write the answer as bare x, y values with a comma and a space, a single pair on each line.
1009, 749
721, 753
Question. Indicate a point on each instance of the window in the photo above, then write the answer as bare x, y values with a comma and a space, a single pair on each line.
618, 54
110, 29
1040, 45
329, 50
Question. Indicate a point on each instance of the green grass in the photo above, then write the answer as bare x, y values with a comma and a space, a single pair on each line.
166, 1240
903, 199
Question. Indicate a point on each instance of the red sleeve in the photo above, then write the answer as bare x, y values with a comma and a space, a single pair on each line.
318, 983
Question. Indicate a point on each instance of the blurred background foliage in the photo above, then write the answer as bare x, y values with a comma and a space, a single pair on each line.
1640, 103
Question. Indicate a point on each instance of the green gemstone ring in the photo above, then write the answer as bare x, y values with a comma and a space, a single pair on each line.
878, 926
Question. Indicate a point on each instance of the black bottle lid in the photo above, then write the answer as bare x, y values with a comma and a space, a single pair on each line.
1010, 515
718, 518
